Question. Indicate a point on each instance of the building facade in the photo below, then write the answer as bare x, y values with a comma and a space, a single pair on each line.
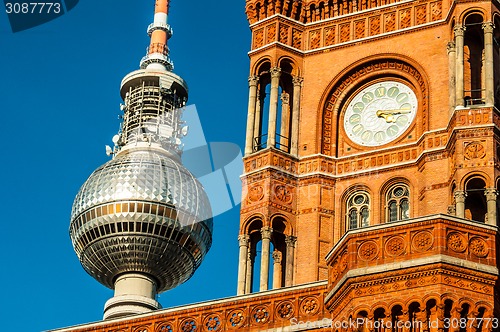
371, 172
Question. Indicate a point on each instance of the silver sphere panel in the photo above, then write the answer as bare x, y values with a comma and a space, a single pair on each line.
141, 212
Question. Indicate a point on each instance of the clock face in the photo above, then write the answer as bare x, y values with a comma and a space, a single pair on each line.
380, 113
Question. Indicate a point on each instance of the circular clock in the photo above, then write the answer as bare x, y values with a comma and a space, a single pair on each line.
380, 113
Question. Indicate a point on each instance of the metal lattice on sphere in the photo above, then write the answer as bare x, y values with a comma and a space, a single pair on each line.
141, 212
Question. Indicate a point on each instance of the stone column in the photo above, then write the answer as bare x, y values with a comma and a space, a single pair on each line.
264, 261
294, 144
276, 269
252, 100
249, 270
290, 251
488, 64
452, 54
491, 203
460, 203
459, 72
273, 106
285, 122
242, 264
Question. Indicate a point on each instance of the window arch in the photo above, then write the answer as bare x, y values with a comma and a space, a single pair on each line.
475, 200
397, 203
358, 210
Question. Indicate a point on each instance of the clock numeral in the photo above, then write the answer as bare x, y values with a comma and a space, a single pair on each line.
368, 97
402, 97
355, 119
393, 92
367, 135
380, 91
405, 106
357, 129
358, 107
402, 120
392, 130
379, 136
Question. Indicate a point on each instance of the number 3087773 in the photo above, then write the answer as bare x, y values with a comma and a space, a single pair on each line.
33, 8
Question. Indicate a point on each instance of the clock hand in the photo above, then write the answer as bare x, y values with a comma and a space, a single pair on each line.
388, 115
395, 111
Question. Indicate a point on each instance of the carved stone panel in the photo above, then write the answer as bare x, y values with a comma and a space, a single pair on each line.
297, 38
474, 150
395, 246
421, 14
329, 35
368, 250
374, 25
258, 39
271, 33
314, 39
436, 11
422, 241
359, 29
389, 22
283, 36
456, 242
405, 18
345, 32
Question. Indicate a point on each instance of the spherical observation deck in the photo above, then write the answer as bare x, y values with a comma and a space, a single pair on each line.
141, 212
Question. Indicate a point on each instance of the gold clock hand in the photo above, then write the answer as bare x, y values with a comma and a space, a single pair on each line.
388, 115
395, 111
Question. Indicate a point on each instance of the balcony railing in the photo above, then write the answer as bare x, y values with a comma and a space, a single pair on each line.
282, 143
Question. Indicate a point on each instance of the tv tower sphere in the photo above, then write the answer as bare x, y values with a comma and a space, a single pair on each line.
142, 223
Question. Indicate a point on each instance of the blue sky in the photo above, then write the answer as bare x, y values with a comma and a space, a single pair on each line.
59, 92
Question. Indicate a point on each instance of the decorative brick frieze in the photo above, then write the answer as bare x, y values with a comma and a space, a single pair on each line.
409, 262
323, 30
410, 240
256, 312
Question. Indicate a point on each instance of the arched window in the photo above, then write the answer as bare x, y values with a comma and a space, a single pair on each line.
358, 210
475, 201
398, 203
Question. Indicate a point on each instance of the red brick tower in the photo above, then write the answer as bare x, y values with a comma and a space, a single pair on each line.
372, 129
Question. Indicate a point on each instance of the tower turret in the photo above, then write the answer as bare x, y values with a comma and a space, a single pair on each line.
141, 224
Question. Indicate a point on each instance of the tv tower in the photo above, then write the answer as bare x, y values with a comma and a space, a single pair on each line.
141, 224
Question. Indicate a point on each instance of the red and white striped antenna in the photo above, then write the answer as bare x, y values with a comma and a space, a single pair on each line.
157, 57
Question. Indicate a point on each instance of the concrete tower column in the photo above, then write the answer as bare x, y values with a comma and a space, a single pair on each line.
242, 264
297, 87
264, 261
488, 63
491, 204
459, 31
452, 54
460, 203
134, 293
277, 269
252, 101
290, 251
273, 106
249, 270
